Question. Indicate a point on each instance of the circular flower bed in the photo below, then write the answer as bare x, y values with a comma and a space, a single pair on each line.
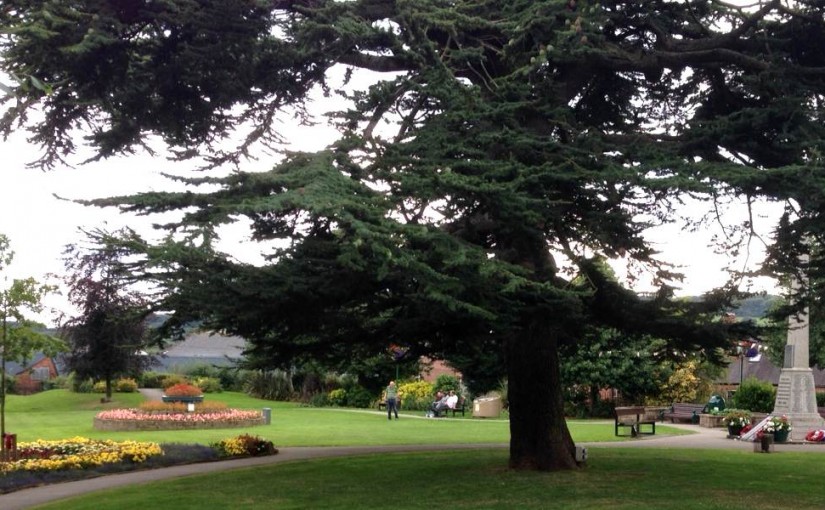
160, 416
77, 453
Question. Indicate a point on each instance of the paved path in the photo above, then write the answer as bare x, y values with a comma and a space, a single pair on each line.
151, 393
702, 438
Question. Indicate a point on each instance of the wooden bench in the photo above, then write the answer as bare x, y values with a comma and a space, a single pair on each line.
382, 404
634, 418
680, 411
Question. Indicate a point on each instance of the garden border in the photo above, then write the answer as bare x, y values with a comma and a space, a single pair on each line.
129, 425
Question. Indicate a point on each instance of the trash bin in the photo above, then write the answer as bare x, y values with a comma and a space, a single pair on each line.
716, 403
487, 407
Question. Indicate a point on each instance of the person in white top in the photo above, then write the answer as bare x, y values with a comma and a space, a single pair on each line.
452, 400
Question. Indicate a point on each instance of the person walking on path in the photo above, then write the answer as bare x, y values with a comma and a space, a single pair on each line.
392, 400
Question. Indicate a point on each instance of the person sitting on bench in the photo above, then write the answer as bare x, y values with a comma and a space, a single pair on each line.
438, 405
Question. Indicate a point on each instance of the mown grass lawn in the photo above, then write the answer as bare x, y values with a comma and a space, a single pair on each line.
59, 414
619, 478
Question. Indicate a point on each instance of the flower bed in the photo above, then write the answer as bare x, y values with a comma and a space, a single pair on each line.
77, 453
183, 392
136, 419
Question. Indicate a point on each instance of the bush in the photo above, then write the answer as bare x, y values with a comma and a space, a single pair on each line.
173, 379
61, 381
208, 384
359, 397
269, 385
820, 399
152, 379
183, 390
447, 383
416, 395
319, 400
99, 387
126, 385
10, 384
337, 397
244, 444
83, 385
755, 395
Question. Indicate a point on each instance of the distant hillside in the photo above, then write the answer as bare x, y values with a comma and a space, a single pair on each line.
754, 307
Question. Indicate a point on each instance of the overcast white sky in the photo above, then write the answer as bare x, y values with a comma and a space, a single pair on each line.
39, 225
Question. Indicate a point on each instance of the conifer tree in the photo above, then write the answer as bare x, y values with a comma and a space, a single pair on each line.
504, 144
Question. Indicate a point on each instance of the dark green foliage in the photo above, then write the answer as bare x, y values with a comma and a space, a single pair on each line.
446, 383
820, 399
507, 147
149, 379
359, 397
10, 383
319, 400
269, 385
755, 396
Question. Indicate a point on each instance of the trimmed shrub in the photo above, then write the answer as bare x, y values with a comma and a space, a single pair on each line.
820, 399
359, 397
417, 395
152, 379
80, 385
337, 397
183, 390
173, 379
319, 400
447, 383
126, 385
99, 387
755, 395
244, 445
208, 384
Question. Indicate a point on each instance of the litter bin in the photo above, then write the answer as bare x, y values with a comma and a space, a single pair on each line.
487, 407
716, 403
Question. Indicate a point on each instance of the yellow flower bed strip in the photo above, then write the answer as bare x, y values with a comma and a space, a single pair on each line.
77, 453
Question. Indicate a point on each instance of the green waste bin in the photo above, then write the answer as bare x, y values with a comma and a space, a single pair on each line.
716, 403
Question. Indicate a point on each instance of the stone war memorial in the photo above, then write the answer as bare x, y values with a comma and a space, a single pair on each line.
796, 394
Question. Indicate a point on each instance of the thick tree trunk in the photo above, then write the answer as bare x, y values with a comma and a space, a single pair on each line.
539, 438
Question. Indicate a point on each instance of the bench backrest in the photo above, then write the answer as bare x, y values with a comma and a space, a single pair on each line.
628, 411
688, 407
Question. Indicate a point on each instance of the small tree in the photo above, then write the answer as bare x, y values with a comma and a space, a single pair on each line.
20, 337
108, 336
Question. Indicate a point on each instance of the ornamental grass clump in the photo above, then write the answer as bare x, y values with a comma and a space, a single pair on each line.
244, 445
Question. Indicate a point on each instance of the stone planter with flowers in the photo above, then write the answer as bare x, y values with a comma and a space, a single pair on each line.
183, 392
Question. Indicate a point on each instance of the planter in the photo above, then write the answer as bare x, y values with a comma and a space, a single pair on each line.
781, 436
734, 431
711, 420
185, 400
